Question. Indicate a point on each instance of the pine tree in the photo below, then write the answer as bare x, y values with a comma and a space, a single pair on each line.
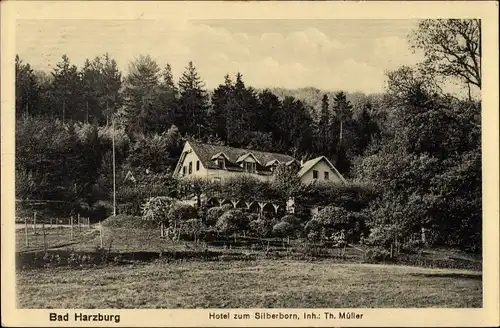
112, 83
240, 112
67, 90
325, 138
27, 89
141, 93
343, 112
217, 114
193, 102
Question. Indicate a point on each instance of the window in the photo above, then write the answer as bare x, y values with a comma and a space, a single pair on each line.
183, 170
197, 165
190, 167
315, 174
327, 175
250, 167
220, 163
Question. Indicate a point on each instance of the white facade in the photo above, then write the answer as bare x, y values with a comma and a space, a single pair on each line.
320, 171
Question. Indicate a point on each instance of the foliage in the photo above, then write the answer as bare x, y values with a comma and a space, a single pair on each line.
232, 221
285, 180
261, 227
452, 48
214, 213
294, 221
180, 212
158, 209
283, 229
313, 229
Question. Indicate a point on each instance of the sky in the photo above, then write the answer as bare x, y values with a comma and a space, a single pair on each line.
349, 55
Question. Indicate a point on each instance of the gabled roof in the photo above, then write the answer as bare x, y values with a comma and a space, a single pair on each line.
310, 164
243, 157
205, 152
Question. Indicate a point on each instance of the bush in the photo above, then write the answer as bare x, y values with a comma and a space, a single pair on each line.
377, 255
261, 228
292, 220
253, 217
232, 221
412, 247
157, 208
181, 212
382, 236
283, 229
313, 229
214, 213
193, 227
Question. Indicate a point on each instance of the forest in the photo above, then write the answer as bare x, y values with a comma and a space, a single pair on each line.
416, 145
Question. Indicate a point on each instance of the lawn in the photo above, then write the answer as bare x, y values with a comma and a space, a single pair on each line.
248, 284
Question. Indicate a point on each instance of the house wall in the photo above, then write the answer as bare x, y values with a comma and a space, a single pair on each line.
192, 157
321, 167
224, 175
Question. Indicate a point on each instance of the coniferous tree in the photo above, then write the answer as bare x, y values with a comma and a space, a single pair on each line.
67, 90
27, 89
239, 112
343, 113
141, 93
193, 102
217, 113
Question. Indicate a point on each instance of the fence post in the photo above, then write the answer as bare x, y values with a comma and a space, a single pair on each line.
44, 238
34, 223
79, 225
71, 226
51, 222
26, 231
88, 222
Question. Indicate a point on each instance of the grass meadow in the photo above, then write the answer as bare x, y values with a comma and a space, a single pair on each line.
257, 282
248, 284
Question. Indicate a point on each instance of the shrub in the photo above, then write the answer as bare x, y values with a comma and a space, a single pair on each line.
292, 220
181, 212
157, 208
193, 227
313, 229
214, 213
382, 236
253, 217
412, 247
377, 255
332, 217
283, 229
260, 227
232, 221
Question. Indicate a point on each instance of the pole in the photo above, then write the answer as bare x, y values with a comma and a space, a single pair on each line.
71, 226
114, 172
51, 222
26, 231
34, 223
44, 238
79, 223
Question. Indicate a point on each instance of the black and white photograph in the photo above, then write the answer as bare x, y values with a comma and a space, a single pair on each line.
248, 167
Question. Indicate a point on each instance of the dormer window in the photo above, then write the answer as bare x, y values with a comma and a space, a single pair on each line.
220, 163
250, 167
